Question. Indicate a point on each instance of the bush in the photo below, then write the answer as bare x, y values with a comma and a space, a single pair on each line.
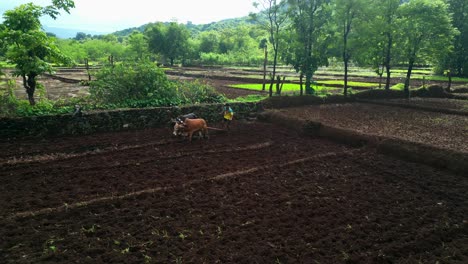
7, 103
133, 84
196, 92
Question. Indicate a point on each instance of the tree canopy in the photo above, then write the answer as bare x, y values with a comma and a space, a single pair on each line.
27, 46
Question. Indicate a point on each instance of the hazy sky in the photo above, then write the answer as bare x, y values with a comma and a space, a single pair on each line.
113, 15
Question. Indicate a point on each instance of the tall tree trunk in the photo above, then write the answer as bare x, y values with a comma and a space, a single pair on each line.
346, 55
380, 73
308, 81
387, 60
345, 92
449, 74
87, 69
265, 60
408, 76
29, 83
301, 77
275, 61
308, 71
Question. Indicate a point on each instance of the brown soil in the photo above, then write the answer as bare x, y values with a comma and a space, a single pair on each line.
438, 103
56, 89
437, 129
257, 194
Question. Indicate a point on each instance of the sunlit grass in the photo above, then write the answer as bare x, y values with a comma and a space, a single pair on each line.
421, 71
287, 87
350, 83
249, 98
290, 88
439, 78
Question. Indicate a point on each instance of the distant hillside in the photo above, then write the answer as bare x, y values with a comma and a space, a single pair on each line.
232, 22
65, 33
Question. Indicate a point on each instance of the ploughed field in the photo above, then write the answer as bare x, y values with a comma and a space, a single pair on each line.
65, 82
441, 130
258, 194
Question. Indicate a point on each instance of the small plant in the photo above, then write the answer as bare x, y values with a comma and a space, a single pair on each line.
147, 258
178, 260
345, 256
90, 230
165, 234
182, 236
50, 247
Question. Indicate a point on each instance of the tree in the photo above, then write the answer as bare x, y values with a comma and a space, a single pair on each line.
80, 36
171, 41
426, 31
388, 10
177, 42
156, 34
209, 41
276, 19
264, 46
309, 20
457, 60
28, 46
129, 82
347, 14
138, 45
371, 47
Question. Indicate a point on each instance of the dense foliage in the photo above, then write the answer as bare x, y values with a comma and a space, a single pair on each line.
142, 84
27, 46
304, 34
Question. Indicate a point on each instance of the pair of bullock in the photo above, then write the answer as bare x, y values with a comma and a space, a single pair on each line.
188, 124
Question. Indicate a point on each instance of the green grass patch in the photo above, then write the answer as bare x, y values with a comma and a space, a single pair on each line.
341, 82
440, 78
290, 88
287, 87
398, 87
422, 71
357, 73
249, 98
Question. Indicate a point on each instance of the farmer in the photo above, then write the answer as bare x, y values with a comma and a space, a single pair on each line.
228, 114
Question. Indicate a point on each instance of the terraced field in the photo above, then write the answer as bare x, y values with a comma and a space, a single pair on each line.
258, 194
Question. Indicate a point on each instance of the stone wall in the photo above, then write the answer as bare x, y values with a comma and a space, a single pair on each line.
114, 120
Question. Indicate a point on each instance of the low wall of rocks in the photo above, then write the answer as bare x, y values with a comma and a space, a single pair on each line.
115, 120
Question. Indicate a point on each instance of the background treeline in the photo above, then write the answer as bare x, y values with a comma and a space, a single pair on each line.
303, 34
377, 33
230, 42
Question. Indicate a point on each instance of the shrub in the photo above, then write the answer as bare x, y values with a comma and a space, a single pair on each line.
196, 92
7, 102
134, 84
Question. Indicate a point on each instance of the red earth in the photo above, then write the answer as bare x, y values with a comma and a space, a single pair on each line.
259, 193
